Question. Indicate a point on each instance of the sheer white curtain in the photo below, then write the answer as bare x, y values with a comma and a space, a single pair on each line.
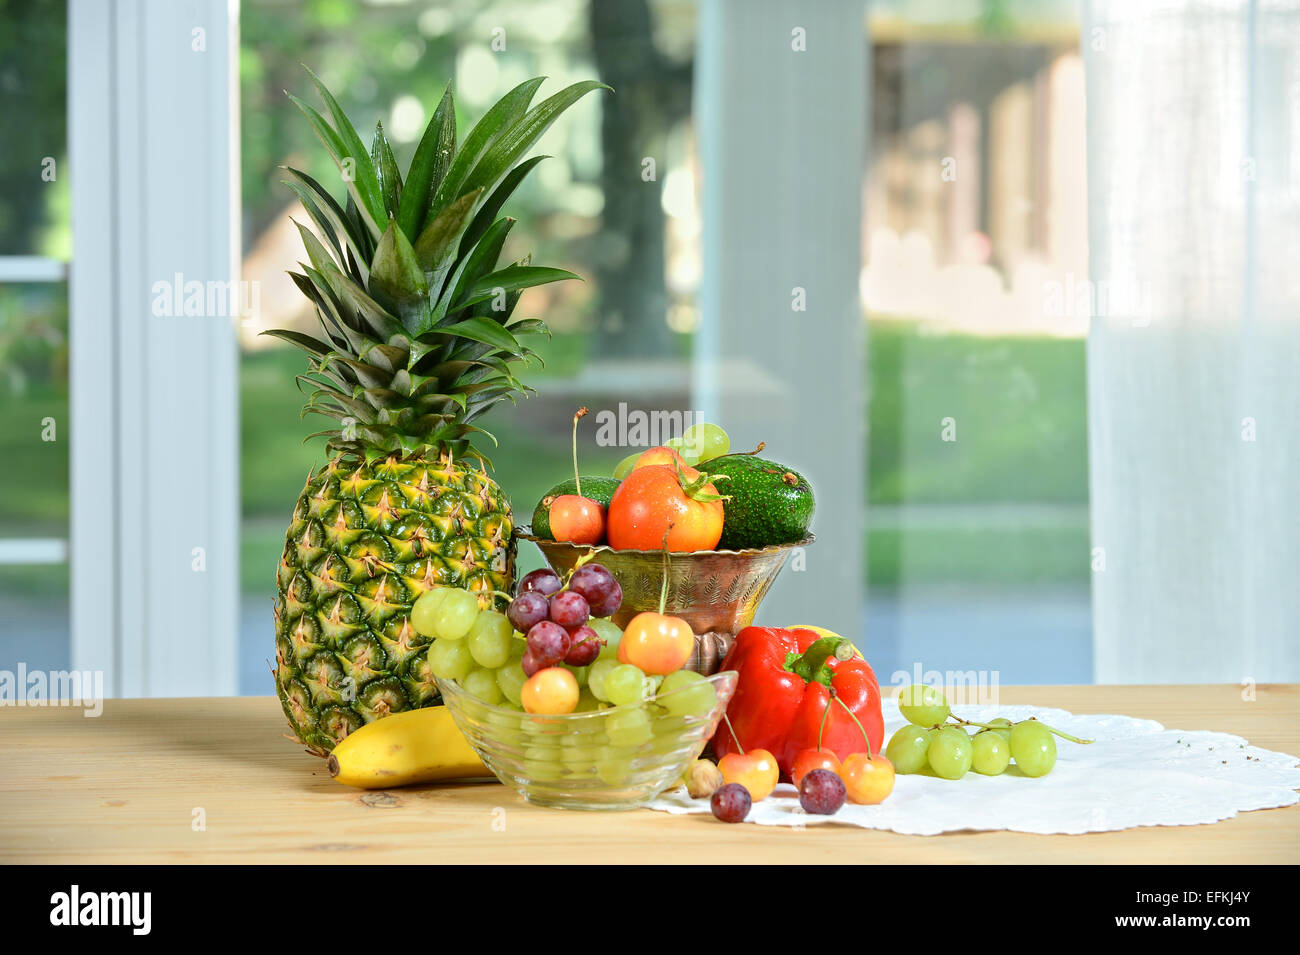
1194, 350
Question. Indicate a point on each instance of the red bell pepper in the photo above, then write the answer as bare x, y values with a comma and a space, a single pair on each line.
795, 688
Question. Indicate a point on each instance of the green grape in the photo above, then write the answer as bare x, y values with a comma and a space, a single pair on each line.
613, 765
708, 439
990, 753
587, 701
687, 693
652, 683
450, 659
580, 756
907, 749
491, 639
424, 612
690, 453
949, 754
482, 682
1033, 747
625, 466
624, 684
542, 763
511, 680
629, 727
596, 677
507, 726
580, 673
456, 614
608, 631
922, 705
1001, 726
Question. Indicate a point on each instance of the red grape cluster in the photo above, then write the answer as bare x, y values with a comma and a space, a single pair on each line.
554, 617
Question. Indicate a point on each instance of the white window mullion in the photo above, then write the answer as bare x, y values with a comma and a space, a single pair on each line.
154, 403
781, 100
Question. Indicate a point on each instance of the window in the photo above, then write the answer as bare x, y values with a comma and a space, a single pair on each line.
35, 242
975, 232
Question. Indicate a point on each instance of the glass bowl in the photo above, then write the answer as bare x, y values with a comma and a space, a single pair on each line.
616, 758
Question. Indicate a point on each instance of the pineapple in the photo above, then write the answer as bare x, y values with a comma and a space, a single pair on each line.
416, 342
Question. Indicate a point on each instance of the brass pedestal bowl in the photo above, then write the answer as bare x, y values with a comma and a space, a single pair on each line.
717, 592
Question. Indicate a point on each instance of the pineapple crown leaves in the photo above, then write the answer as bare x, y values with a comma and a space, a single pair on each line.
417, 330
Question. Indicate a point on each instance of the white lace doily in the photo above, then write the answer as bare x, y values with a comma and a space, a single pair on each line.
1137, 773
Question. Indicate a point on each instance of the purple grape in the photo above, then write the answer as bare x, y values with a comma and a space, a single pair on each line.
570, 609
594, 582
609, 606
526, 610
548, 643
530, 663
731, 803
585, 646
821, 792
543, 580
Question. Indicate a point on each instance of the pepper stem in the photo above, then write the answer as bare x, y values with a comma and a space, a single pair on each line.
811, 665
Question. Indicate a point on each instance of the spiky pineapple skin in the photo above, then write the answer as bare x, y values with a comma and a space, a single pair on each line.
365, 541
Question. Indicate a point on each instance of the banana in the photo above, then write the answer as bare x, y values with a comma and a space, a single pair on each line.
417, 746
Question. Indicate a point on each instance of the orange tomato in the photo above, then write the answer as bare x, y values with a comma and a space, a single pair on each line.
656, 643
578, 520
650, 503
755, 769
810, 759
867, 779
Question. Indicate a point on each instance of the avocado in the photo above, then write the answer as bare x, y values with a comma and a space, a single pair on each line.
769, 503
598, 489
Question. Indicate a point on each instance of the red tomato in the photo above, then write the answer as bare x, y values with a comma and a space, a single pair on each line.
649, 501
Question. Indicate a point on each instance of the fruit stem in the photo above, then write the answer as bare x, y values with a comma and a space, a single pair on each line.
1072, 739
732, 730
750, 454
663, 589
853, 716
826, 712
577, 481
990, 726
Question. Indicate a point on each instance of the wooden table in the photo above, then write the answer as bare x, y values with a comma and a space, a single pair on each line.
134, 784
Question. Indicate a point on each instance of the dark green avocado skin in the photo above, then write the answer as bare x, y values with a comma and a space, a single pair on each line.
770, 503
598, 489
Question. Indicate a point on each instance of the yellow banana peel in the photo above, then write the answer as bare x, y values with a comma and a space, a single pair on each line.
417, 746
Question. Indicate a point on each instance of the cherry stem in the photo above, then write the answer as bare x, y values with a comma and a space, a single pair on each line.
825, 713
853, 716
732, 730
577, 481
663, 590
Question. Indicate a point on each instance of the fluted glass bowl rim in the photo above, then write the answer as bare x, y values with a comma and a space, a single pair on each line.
463, 697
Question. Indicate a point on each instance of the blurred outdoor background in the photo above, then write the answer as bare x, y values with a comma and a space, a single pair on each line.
976, 551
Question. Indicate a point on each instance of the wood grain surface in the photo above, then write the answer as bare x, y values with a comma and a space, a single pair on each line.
127, 787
